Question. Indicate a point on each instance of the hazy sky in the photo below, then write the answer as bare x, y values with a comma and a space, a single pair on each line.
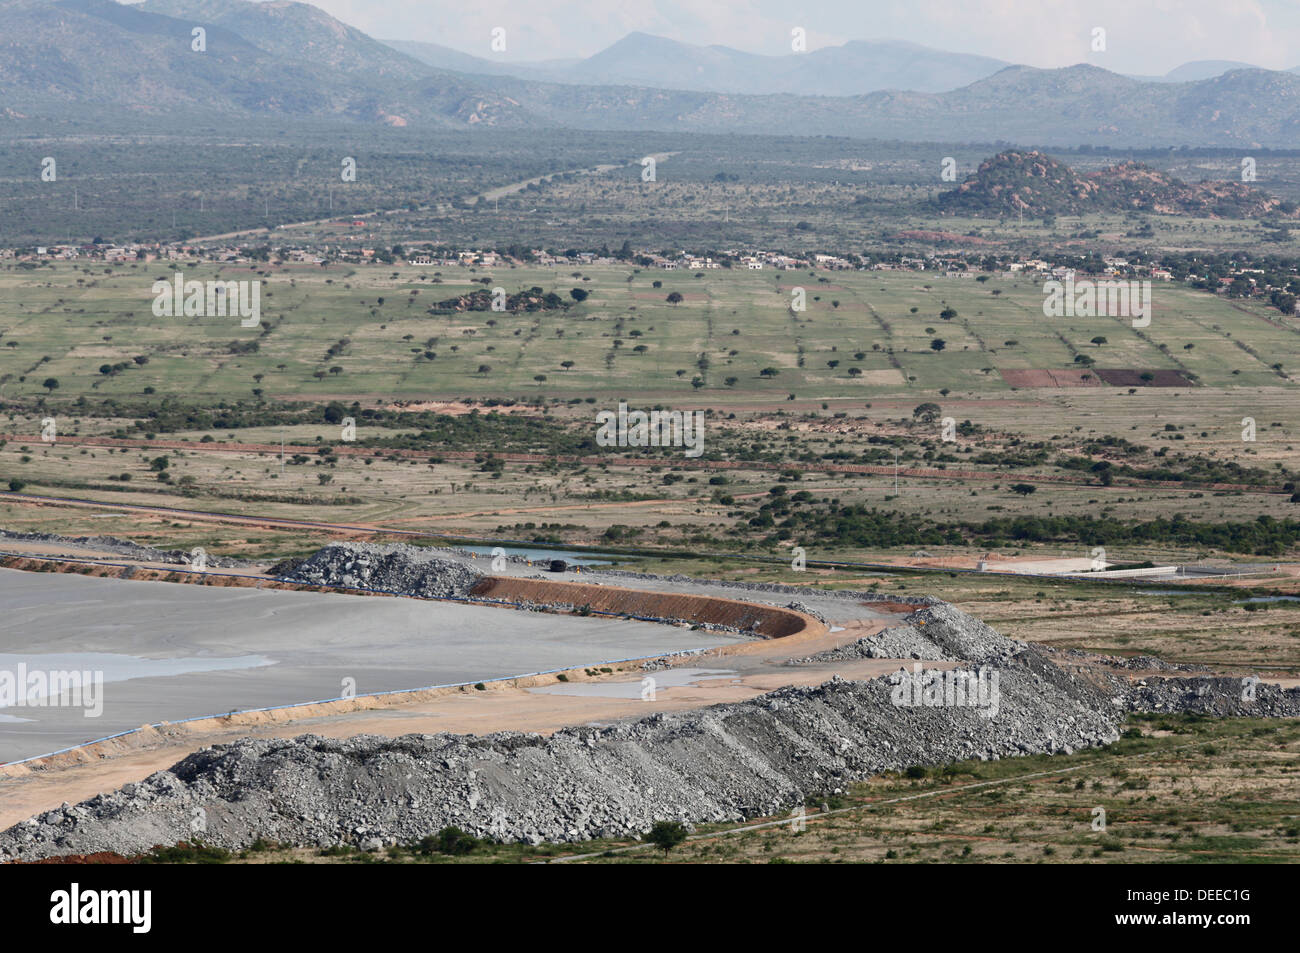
1143, 36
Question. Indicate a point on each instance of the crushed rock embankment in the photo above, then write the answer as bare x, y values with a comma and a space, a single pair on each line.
727, 762
937, 633
722, 763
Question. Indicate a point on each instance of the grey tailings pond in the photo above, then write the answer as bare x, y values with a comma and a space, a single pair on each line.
170, 652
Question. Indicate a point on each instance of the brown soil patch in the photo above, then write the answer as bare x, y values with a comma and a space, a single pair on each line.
1132, 377
1051, 377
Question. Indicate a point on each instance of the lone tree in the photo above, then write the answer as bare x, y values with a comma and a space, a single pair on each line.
675, 298
928, 412
666, 835
937, 344
1024, 489
579, 294
51, 384
1099, 340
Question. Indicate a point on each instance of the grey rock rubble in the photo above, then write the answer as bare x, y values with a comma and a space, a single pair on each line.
395, 568
723, 763
1218, 695
121, 547
727, 762
1136, 663
937, 633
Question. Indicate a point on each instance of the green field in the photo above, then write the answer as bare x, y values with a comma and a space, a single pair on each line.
68, 321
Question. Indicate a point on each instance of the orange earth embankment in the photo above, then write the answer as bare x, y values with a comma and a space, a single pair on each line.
769, 622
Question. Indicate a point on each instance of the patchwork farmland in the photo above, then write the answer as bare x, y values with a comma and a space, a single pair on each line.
368, 331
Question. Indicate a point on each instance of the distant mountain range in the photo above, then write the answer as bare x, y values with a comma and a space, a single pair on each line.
856, 68
1015, 183
92, 60
640, 59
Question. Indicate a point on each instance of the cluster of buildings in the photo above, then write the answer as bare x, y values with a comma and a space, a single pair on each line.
90, 252
1111, 268
946, 265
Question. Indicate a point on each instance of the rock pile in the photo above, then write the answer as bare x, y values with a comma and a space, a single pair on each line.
936, 633
120, 547
726, 762
1217, 695
401, 569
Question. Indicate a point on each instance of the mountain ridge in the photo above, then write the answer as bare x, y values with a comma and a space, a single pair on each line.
84, 58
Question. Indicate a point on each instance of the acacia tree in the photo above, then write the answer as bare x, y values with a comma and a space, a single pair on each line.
666, 835
928, 412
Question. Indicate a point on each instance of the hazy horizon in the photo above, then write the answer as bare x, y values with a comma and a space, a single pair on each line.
1145, 38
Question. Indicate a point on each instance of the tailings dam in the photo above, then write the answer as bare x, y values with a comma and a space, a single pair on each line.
170, 652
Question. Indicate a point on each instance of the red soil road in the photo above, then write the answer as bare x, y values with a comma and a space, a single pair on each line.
922, 473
